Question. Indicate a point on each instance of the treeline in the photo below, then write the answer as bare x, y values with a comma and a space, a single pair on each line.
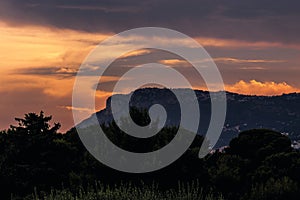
258, 164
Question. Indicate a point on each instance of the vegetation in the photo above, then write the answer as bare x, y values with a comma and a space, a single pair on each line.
125, 192
38, 162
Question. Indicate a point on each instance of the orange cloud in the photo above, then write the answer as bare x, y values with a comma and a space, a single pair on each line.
230, 43
183, 63
268, 88
237, 60
135, 53
34, 46
51, 86
77, 109
42, 59
174, 62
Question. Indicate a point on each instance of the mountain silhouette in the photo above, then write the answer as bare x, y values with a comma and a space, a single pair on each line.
244, 112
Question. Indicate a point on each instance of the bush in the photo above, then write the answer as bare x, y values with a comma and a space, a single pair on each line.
275, 189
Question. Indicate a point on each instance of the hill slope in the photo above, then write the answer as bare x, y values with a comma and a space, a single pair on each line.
244, 112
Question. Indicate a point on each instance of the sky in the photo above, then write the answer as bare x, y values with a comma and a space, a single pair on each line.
255, 44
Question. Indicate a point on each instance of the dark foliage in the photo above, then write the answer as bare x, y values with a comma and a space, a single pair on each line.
258, 164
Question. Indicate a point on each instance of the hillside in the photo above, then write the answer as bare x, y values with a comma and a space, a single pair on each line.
244, 112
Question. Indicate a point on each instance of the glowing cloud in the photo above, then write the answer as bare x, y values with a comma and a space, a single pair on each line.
136, 53
174, 62
33, 46
231, 43
237, 60
77, 109
268, 88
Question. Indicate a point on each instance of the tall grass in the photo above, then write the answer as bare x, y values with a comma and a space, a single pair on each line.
129, 192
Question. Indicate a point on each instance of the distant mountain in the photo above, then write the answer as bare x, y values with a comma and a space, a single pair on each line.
244, 112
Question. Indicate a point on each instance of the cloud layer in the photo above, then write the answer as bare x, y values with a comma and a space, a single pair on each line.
44, 42
256, 20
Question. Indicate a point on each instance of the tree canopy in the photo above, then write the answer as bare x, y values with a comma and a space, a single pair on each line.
258, 164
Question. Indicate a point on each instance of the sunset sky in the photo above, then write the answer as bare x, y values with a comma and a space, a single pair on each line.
255, 44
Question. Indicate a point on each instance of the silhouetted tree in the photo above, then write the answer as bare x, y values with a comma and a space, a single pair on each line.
259, 144
33, 123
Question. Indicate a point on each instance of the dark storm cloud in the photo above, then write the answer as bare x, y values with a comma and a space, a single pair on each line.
256, 20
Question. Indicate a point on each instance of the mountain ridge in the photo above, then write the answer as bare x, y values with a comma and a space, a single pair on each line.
279, 112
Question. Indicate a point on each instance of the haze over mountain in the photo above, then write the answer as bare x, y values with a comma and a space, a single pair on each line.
244, 112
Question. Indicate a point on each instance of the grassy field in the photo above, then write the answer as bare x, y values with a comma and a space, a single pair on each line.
100, 192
